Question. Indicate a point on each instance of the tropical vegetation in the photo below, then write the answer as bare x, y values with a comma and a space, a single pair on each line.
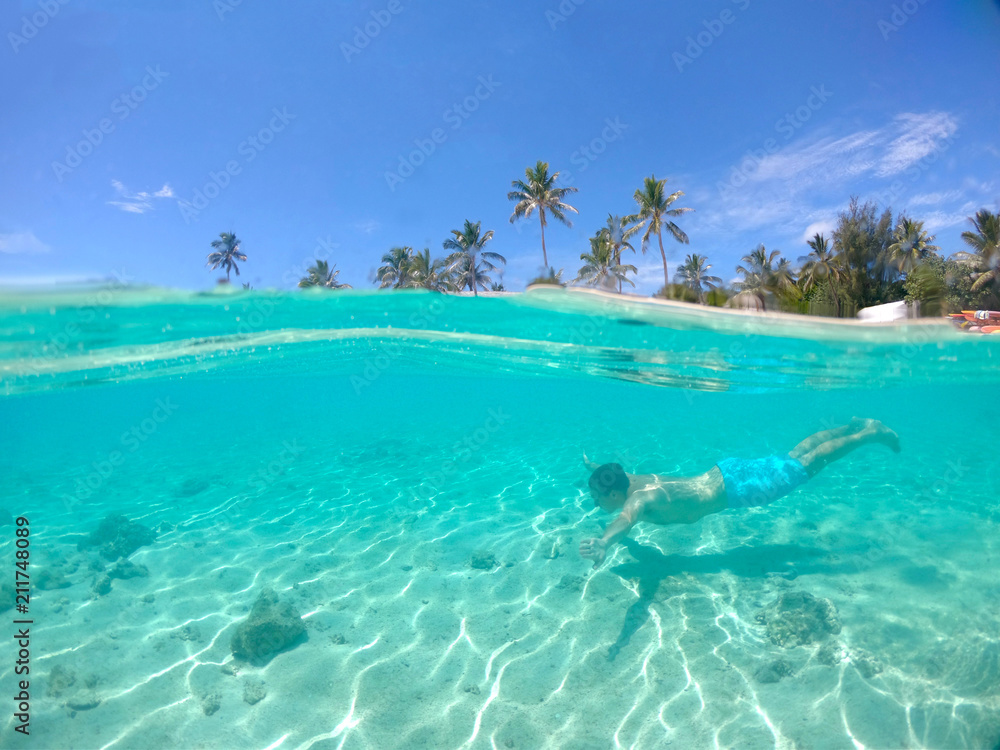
538, 192
321, 274
396, 269
868, 258
617, 233
984, 239
225, 253
655, 214
469, 261
694, 274
601, 267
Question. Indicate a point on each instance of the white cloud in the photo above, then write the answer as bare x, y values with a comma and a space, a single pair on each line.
921, 136
22, 243
823, 159
824, 226
805, 183
138, 203
937, 220
368, 227
931, 199
882, 152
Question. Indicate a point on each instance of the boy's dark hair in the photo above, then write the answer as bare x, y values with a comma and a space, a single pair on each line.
607, 478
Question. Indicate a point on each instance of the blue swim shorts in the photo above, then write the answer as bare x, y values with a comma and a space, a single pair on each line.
751, 482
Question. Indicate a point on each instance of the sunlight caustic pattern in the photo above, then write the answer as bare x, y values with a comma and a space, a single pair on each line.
450, 608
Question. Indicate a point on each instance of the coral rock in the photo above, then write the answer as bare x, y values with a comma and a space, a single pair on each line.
83, 701
118, 537
867, 664
254, 691
124, 569
483, 561
270, 627
59, 680
798, 618
774, 671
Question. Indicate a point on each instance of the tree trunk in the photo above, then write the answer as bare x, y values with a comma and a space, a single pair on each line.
666, 276
545, 257
618, 262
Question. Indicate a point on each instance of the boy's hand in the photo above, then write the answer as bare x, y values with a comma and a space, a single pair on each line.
589, 464
594, 549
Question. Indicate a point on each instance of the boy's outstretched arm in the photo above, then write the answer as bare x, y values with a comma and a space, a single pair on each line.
597, 549
591, 466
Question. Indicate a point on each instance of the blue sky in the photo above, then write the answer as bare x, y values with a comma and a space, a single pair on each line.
133, 133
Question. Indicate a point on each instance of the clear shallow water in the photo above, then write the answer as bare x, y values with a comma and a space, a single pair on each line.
354, 452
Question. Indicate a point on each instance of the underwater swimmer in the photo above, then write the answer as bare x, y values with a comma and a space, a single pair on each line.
732, 483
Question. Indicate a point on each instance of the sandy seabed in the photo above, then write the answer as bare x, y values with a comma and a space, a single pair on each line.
410, 646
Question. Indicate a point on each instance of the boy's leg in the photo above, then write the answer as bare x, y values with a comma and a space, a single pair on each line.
831, 450
815, 440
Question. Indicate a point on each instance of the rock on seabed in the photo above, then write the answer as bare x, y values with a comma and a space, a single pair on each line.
271, 626
798, 618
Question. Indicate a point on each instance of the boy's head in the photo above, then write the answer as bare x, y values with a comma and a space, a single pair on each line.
608, 487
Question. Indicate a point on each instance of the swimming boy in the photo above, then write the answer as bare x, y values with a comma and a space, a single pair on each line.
732, 483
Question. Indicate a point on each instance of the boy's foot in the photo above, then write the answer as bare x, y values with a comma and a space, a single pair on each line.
857, 424
884, 435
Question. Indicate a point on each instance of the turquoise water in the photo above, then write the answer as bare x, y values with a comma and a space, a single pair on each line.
356, 452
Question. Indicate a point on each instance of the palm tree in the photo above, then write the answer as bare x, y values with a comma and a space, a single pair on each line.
551, 276
466, 244
428, 274
618, 233
782, 281
226, 253
757, 277
910, 244
694, 275
540, 194
821, 265
322, 275
985, 240
654, 208
602, 268
395, 270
